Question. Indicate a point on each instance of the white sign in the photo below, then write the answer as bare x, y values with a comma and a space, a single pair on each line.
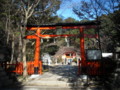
107, 54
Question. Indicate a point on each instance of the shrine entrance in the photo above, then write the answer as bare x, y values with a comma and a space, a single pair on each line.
90, 63
37, 63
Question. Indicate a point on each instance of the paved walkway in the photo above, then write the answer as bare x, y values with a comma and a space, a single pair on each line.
61, 75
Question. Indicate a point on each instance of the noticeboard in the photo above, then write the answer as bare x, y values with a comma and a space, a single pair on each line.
93, 54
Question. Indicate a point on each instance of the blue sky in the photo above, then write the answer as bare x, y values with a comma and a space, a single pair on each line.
65, 10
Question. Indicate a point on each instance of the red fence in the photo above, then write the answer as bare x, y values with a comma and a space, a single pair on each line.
92, 67
18, 67
98, 67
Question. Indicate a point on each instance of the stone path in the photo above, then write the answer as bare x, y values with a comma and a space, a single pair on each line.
62, 76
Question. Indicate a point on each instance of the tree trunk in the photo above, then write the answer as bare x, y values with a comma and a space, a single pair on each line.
8, 29
8, 33
24, 59
24, 49
19, 58
12, 54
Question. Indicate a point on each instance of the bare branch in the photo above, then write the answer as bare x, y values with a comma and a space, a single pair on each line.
23, 6
31, 8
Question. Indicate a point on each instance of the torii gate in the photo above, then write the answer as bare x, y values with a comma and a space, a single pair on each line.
38, 36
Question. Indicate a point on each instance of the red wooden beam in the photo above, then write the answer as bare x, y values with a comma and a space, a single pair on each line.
31, 37
49, 36
42, 28
66, 35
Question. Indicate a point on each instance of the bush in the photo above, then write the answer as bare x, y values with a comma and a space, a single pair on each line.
75, 60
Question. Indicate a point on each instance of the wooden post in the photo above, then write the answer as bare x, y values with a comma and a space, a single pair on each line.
37, 53
82, 50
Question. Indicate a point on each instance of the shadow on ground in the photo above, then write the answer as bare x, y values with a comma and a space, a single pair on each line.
9, 80
109, 81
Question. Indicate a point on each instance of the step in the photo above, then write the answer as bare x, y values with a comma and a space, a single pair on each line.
53, 83
48, 83
53, 79
46, 88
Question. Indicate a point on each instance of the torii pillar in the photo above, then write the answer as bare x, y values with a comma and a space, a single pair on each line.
37, 53
82, 62
37, 62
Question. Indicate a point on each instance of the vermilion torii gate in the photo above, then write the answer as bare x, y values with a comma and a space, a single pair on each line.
38, 36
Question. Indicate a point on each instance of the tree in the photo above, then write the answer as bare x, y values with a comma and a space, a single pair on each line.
92, 9
45, 12
26, 9
15, 13
37, 9
7, 23
104, 11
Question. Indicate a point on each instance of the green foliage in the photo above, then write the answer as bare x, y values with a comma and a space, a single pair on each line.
59, 60
109, 32
50, 49
115, 18
70, 20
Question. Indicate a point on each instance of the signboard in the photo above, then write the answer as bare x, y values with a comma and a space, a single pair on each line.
94, 54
